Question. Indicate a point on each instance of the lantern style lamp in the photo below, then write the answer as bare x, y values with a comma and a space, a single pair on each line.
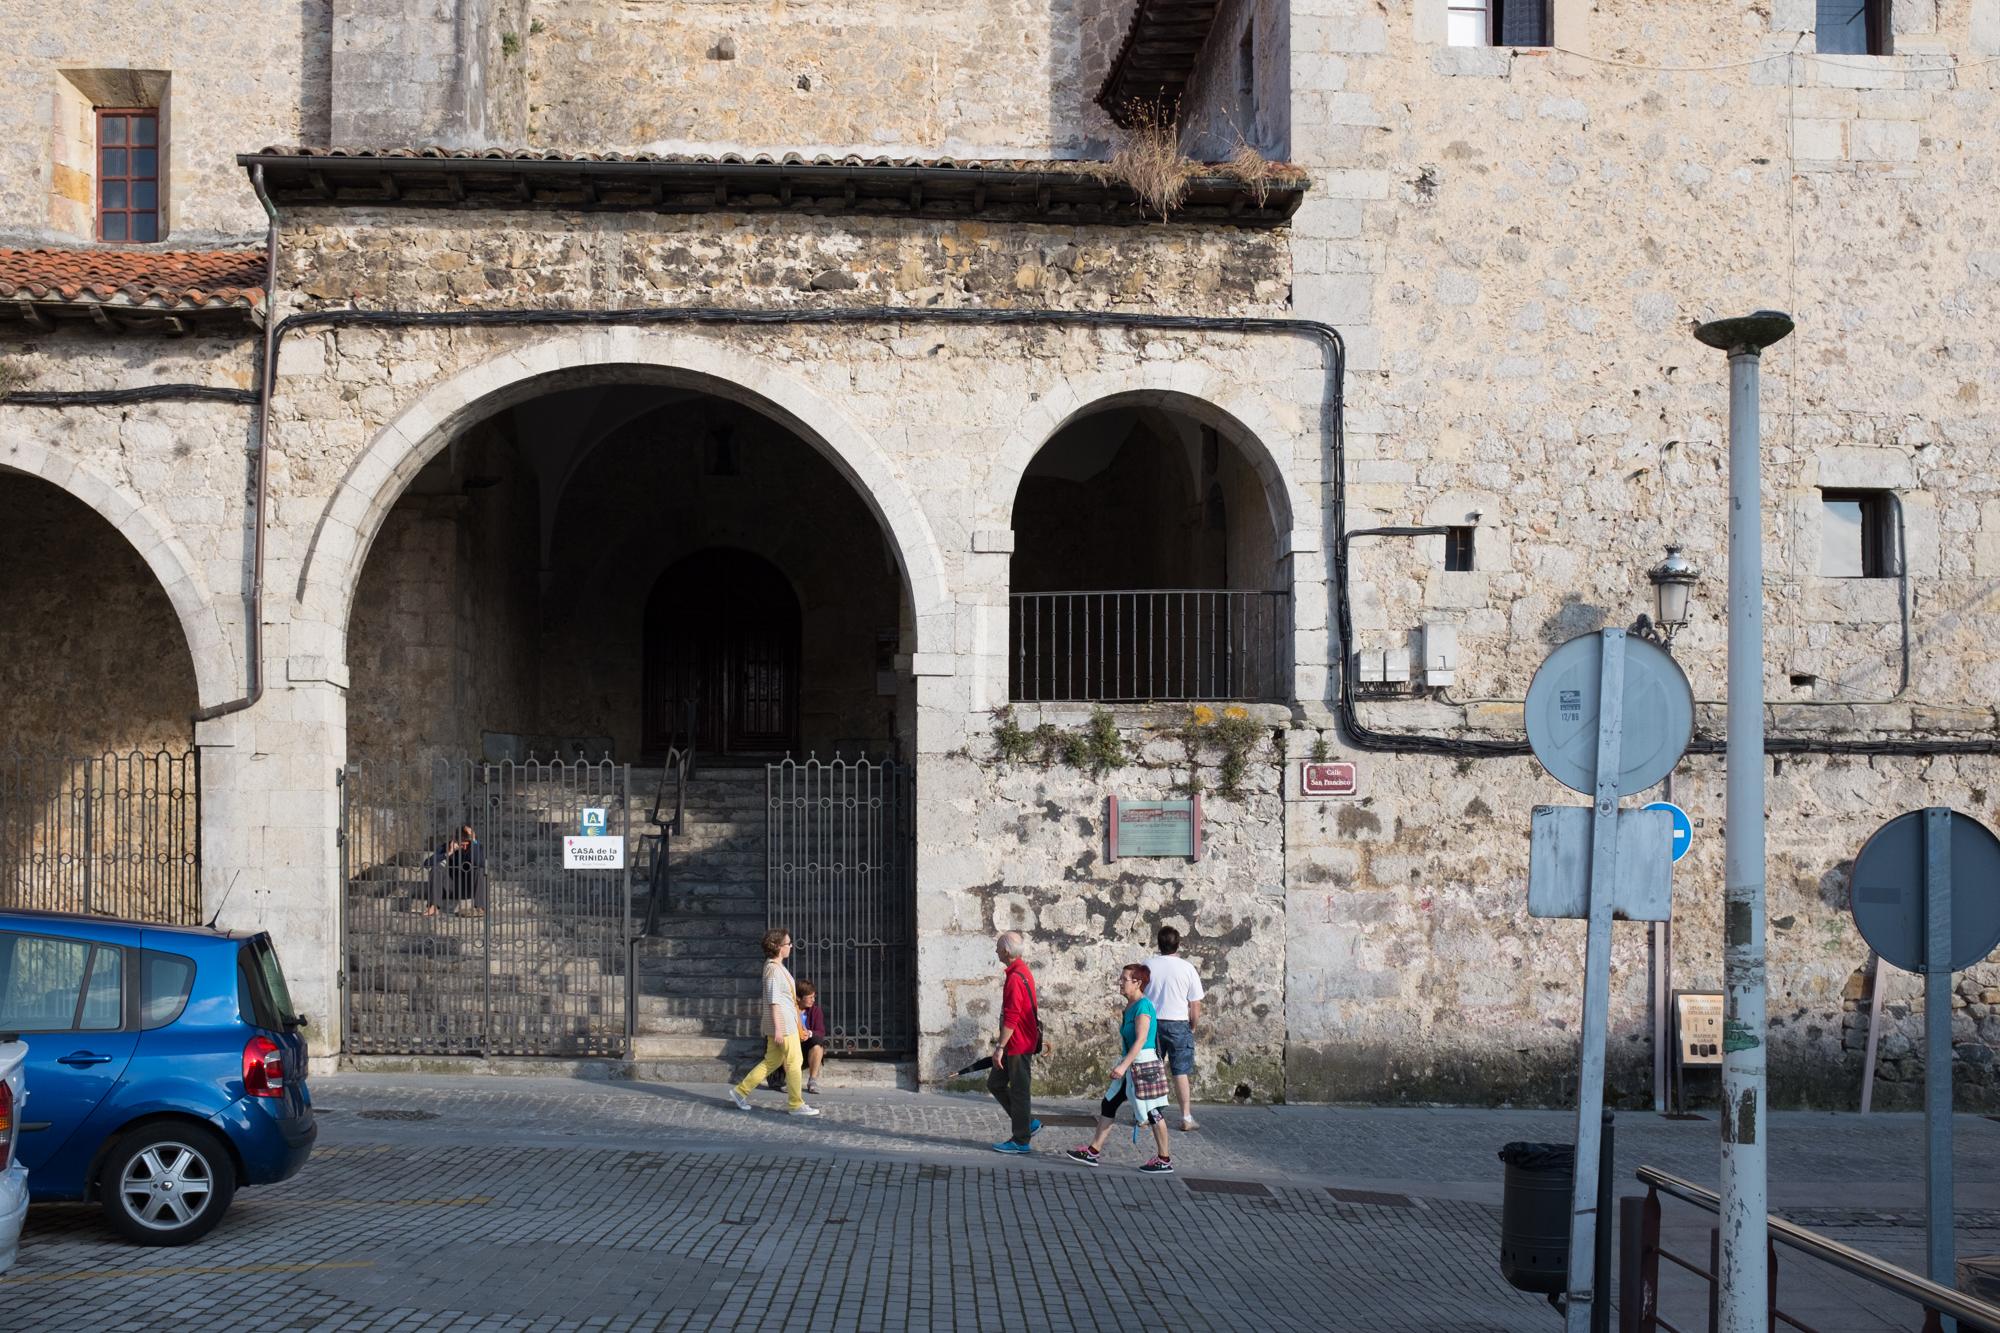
1673, 581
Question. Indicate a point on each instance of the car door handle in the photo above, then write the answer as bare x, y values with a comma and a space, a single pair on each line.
78, 1059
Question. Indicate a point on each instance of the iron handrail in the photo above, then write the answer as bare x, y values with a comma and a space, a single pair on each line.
676, 767
1934, 1298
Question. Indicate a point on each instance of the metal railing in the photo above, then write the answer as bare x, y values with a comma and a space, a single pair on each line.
1641, 1252
659, 846
522, 955
116, 833
1149, 645
841, 875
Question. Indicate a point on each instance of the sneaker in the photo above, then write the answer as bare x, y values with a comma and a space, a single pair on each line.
1012, 1149
1159, 1166
1034, 1128
812, 1086
1082, 1153
803, 1109
1188, 1124
742, 1102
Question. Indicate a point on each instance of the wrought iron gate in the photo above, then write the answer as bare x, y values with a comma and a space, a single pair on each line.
842, 878
113, 833
545, 970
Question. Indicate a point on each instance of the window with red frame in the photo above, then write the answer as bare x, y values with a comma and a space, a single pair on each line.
128, 175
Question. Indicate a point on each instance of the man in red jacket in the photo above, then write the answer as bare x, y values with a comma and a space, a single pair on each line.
1012, 1081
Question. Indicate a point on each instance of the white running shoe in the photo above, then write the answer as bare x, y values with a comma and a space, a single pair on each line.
1188, 1123
742, 1102
803, 1109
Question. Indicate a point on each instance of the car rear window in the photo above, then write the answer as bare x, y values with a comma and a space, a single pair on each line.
103, 996
264, 979
165, 979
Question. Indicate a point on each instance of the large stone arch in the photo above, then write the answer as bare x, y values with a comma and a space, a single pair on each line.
1193, 391
356, 512
217, 667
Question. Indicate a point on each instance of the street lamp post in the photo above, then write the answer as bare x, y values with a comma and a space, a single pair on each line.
1744, 1208
1673, 581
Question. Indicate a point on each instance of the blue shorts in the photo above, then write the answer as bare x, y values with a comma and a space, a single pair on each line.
1177, 1045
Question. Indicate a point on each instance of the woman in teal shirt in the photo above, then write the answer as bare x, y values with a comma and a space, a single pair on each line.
1139, 1072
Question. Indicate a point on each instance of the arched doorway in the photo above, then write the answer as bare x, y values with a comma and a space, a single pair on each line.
722, 656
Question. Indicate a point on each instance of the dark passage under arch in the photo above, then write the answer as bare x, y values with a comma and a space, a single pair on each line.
722, 656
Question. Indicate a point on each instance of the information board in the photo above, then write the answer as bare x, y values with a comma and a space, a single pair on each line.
593, 853
1155, 828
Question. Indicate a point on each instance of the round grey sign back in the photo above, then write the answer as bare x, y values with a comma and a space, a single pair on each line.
1888, 891
1562, 714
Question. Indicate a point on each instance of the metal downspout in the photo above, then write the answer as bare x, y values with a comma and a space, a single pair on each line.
260, 468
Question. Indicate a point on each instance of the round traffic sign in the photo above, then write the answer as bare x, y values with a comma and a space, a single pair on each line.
1562, 714
1683, 826
1888, 891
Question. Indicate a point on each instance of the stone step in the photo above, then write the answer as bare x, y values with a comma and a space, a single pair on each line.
648, 1045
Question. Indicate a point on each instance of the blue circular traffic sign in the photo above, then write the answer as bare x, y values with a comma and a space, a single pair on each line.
1683, 826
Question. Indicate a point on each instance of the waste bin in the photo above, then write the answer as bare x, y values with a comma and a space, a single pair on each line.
1534, 1215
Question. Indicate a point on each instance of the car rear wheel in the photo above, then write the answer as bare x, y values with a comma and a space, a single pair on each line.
167, 1184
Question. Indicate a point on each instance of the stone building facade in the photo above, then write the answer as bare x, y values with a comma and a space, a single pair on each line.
549, 311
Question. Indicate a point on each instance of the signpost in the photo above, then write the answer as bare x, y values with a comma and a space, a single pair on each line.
1683, 827
1607, 715
1926, 895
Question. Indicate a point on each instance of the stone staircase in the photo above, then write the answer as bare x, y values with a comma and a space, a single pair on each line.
698, 1012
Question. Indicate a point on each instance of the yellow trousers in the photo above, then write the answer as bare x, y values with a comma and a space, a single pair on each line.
780, 1053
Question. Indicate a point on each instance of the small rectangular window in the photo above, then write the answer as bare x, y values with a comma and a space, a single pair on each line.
128, 174
1469, 23
1857, 537
1458, 550
1853, 27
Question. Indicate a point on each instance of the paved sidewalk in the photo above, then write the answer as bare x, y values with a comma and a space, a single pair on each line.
542, 1204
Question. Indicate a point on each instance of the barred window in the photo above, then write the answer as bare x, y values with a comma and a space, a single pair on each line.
128, 174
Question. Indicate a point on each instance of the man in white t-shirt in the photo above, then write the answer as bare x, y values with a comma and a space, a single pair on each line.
1175, 991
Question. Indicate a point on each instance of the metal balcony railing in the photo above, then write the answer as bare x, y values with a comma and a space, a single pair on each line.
1149, 646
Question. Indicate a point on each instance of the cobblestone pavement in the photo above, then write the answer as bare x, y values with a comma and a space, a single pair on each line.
543, 1204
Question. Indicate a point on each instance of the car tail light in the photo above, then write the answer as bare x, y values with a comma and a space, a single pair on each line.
6, 1124
263, 1068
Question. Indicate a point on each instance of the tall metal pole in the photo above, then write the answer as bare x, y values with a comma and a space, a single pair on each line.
1661, 938
1745, 1207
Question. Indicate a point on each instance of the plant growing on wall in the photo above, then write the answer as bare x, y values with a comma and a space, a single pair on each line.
12, 377
1232, 734
1096, 749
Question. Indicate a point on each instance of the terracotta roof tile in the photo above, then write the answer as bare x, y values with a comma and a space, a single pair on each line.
156, 280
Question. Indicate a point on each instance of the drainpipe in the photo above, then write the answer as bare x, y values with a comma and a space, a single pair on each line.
260, 467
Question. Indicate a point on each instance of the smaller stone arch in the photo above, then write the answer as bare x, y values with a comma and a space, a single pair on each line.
1190, 390
217, 666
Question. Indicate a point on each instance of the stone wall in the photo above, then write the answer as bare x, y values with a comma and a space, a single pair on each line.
1012, 79
92, 657
227, 79
1029, 844
1516, 245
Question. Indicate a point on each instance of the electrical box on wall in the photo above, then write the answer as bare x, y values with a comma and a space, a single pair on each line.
1440, 650
1382, 667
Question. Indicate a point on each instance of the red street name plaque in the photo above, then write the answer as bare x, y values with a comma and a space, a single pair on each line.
1324, 781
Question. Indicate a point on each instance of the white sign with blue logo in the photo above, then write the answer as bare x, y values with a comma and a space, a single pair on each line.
1683, 826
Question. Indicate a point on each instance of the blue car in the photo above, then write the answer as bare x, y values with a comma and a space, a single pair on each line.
165, 1068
